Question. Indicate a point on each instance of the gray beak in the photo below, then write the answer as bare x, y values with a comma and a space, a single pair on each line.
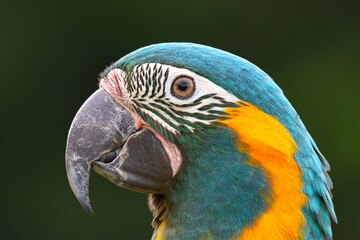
103, 136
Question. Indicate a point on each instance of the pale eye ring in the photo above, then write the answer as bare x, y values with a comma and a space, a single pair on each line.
183, 87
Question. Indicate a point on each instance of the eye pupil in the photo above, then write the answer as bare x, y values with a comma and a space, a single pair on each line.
183, 85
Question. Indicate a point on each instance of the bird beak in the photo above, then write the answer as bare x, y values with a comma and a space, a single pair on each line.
103, 136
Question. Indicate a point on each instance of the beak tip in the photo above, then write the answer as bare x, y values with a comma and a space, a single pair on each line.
79, 184
88, 209
84, 200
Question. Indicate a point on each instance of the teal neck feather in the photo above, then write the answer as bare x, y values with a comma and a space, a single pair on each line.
216, 193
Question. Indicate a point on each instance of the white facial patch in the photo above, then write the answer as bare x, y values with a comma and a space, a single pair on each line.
148, 89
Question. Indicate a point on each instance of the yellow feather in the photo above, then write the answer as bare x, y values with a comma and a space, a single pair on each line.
270, 146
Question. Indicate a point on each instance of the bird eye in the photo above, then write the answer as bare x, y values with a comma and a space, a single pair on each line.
183, 87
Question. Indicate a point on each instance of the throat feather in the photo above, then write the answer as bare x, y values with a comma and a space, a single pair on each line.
216, 192
270, 146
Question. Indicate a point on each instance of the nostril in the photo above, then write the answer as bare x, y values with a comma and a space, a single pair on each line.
109, 157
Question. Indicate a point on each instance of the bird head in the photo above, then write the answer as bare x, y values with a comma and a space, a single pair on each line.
210, 137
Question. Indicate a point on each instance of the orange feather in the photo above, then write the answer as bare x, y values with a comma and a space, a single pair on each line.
270, 146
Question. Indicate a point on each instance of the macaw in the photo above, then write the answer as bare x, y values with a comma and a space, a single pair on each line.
213, 141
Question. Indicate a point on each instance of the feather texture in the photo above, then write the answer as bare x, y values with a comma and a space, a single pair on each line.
217, 193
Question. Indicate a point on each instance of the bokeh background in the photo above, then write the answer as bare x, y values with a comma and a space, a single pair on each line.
51, 53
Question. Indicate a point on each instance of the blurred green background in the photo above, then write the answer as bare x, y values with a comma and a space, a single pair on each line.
52, 52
